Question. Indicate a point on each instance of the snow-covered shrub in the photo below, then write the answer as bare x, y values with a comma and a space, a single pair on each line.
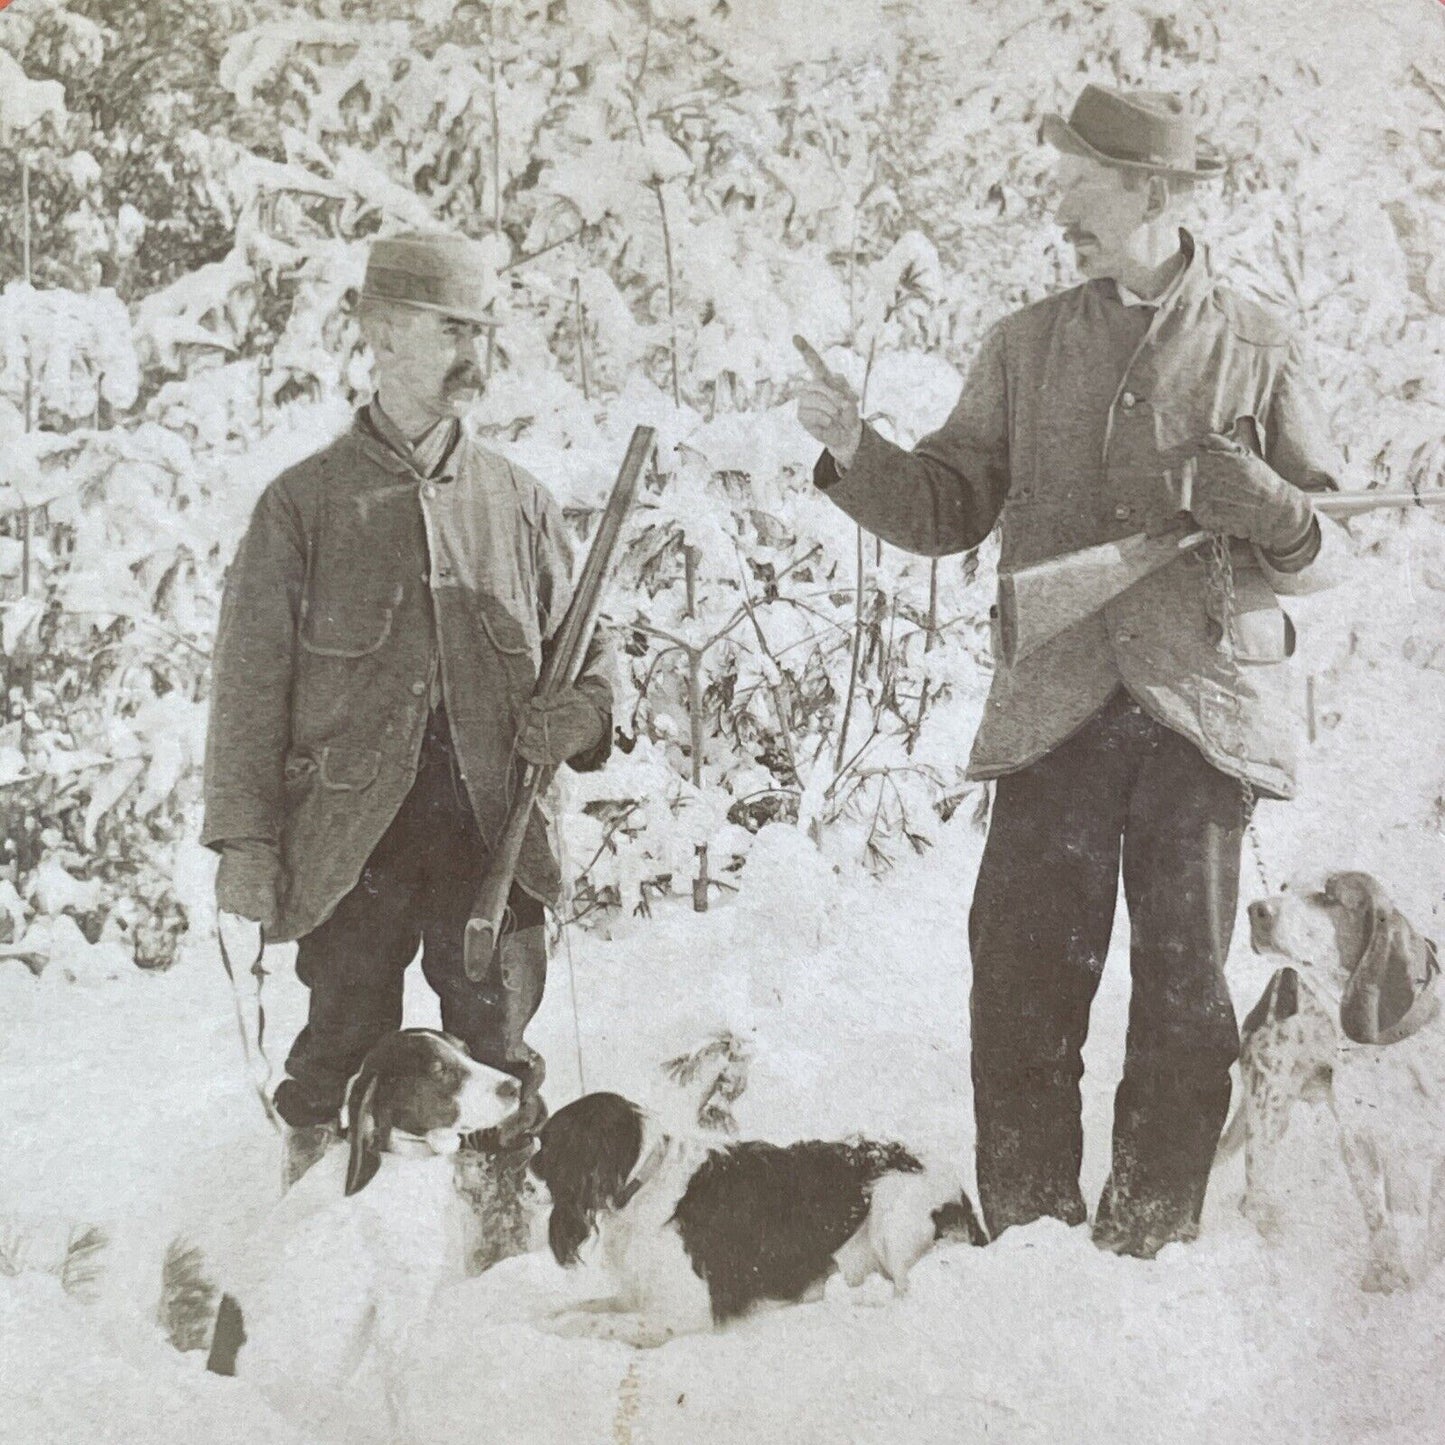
670, 192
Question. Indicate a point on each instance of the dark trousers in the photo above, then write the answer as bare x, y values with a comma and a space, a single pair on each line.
417, 888
1042, 914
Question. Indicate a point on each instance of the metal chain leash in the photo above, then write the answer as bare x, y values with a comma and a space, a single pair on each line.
1220, 566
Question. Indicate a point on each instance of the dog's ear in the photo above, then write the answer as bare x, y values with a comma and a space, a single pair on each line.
370, 1130
1391, 993
1278, 1002
569, 1227
586, 1153
571, 1189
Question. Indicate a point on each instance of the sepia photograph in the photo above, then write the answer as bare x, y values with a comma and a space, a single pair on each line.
724, 723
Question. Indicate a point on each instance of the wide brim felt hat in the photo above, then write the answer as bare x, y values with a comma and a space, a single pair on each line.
438, 272
1147, 131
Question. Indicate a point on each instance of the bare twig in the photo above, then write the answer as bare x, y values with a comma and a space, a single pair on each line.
671, 290
695, 719
856, 659
528, 256
930, 632
25, 219
774, 689
581, 338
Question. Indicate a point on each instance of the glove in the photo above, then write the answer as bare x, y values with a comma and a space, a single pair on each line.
246, 881
1237, 493
560, 726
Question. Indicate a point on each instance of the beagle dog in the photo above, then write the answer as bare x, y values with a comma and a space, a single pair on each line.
694, 1234
353, 1254
1351, 1017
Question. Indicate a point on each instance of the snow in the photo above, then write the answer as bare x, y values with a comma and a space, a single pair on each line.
128, 1107
802, 194
24, 103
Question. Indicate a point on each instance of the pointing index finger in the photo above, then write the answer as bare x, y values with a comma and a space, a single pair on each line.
816, 364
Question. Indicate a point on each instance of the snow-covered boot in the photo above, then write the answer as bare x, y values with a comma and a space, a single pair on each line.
303, 1147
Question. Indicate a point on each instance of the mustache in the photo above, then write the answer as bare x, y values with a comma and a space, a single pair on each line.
464, 374
1074, 234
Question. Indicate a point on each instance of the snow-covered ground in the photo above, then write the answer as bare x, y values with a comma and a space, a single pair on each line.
126, 1105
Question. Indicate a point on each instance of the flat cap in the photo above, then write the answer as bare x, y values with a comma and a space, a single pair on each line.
433, 272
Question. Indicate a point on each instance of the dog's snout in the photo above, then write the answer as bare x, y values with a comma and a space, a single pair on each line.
1263, 922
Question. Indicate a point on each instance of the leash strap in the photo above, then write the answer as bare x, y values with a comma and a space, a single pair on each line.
566, 925
258, 972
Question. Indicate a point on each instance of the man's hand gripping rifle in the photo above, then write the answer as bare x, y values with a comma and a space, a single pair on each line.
563, 664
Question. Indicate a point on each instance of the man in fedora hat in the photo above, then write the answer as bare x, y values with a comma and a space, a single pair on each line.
1140, 736
381, 633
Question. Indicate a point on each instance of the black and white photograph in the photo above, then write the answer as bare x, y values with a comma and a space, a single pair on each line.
723, 723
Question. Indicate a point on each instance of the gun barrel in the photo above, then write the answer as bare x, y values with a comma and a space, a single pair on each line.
1349, 504
565, 659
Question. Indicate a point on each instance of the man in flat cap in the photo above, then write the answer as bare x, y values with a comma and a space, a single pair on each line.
381, 633
1140, 737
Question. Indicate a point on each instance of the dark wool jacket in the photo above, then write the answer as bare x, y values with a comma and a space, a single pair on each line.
353, 569
1063, 454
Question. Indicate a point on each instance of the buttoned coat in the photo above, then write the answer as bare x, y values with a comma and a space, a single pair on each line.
360, 592
1012, 452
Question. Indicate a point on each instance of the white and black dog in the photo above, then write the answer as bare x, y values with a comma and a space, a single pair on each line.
1352, 1018
696, 1234
351, 1258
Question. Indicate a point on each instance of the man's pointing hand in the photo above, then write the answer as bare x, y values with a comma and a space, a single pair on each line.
828, 407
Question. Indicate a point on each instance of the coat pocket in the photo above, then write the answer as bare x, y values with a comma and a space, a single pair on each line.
348, 770
518, 647
1260, 631
348, 628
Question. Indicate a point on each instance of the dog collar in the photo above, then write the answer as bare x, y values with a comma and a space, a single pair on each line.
644, 1174
410, 1146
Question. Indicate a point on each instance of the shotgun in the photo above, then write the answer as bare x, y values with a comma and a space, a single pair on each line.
561, 668
1038, 602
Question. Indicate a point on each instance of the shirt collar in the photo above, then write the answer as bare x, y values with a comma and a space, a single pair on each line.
433, 455
1187, 274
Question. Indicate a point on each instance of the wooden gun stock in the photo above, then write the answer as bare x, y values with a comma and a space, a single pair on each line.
566, 655
1037, 603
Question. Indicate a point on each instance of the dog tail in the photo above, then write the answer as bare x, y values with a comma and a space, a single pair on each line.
958, 1220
